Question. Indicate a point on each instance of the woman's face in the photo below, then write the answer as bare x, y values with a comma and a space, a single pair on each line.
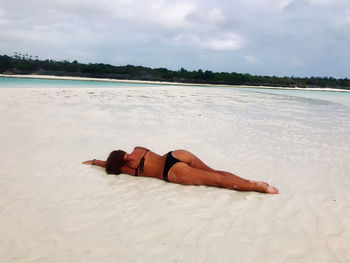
128, 158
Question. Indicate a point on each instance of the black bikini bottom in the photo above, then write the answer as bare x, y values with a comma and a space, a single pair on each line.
170, 161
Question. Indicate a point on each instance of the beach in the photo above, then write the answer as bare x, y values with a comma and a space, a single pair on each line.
54, 209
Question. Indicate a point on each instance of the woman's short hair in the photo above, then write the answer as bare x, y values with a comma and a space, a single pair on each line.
115, 161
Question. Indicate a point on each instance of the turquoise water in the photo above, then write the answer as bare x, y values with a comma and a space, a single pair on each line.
6, 82
54, 83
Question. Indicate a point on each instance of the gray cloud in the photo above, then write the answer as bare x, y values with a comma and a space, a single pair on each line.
266, 37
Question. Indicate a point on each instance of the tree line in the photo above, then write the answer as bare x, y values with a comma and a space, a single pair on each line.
25, 64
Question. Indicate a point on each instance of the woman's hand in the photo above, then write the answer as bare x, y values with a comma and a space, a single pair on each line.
89, 162
96, 162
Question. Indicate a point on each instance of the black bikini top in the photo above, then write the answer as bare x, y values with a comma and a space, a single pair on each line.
139, 168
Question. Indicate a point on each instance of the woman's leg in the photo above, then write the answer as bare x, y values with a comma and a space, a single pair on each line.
192, 160
194, 171
182, 173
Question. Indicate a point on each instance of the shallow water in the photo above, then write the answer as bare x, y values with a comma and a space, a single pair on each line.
55, 209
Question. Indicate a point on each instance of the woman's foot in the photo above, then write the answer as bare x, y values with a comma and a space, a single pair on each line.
266, 188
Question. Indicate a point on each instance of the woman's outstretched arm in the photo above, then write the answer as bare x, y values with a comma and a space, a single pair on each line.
96, 162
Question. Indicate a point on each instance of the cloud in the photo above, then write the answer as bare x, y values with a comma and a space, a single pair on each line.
230, 41
213, 16
297, 62
178, 33
326, 2
227, 41
2, 13
160, 13
251, 59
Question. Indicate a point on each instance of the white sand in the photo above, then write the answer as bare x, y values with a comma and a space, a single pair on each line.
53, 209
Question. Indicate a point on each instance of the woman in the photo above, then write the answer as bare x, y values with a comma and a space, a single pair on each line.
179, 166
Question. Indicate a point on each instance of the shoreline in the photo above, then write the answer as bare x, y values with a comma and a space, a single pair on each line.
53, 77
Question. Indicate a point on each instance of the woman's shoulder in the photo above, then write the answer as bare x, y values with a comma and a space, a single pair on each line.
141, 148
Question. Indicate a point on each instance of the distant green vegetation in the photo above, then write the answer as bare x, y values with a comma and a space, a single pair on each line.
26, 64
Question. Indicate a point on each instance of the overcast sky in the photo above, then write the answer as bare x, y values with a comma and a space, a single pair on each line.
262, 37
